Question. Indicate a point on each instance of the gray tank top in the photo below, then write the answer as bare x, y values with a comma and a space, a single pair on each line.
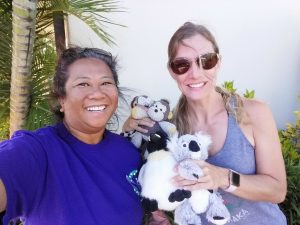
238, 154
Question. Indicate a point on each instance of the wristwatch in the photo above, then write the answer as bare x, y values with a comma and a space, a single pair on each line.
234, 181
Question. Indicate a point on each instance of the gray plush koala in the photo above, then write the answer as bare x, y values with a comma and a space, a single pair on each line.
196, 147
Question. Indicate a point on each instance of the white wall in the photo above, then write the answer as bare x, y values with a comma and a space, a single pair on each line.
259, 43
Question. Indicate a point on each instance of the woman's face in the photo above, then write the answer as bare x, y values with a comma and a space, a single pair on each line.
91, 96
196, 83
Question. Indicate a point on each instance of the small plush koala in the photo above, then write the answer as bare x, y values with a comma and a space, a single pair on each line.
158, 111
196, 146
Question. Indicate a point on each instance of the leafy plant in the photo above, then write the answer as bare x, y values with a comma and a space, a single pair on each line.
229, 86
290, 143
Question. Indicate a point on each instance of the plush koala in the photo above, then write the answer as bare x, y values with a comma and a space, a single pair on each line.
158, 192
196, 147
158, 111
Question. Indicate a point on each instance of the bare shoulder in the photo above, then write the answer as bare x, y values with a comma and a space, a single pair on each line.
257, 110
261, 117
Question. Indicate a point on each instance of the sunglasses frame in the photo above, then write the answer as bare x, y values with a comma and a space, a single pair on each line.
198, 61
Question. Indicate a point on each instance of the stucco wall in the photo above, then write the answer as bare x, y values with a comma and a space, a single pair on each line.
259, 43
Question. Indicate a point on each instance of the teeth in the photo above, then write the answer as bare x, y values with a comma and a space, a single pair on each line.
96, 108
196, 85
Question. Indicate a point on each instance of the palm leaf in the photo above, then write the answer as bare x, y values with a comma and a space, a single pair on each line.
42, 72
92, 12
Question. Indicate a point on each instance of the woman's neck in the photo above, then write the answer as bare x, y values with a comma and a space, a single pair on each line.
207, 109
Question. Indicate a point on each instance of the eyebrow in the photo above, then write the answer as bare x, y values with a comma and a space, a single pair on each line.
86, 77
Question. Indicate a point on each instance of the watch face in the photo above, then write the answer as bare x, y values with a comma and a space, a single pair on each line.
235, 179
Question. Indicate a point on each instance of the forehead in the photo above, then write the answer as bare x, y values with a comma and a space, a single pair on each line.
196, 44
89, 67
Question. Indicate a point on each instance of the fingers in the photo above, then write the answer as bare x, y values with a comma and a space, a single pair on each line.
201, 183
137, 124
209, 180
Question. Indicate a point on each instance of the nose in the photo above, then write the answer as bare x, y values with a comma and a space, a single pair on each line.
193, 146
196, 68
96, 92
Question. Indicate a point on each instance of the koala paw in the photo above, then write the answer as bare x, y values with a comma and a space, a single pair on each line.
189, 170
179, 195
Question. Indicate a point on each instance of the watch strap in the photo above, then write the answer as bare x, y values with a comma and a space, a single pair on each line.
233, 180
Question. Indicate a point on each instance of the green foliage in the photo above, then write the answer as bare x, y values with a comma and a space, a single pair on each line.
249, 94
5, 66
4, 129
290, 143
229, 86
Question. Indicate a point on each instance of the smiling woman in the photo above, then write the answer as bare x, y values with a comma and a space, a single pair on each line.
91, 99
72, 166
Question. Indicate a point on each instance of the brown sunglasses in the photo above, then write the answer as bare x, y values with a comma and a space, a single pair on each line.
208, 61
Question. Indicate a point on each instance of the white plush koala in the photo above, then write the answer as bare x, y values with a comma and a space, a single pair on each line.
196, 147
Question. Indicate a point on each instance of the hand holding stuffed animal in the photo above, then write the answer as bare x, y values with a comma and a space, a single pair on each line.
201, 201
158, 111
159, 193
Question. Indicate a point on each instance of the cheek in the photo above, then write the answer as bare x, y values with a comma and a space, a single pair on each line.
211, 75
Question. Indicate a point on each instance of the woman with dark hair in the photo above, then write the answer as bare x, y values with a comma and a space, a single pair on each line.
75, 172
245, 161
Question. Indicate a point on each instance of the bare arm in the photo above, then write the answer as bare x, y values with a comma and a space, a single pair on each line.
269, 182
2, 197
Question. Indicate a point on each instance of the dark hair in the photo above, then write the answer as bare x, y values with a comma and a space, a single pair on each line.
61, 75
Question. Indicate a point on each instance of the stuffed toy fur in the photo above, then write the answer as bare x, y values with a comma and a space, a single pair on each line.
201, 201
158, 111
159, 193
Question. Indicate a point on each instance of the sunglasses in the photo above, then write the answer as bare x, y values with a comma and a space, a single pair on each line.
208, 61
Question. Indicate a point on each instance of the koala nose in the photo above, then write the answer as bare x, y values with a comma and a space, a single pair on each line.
193, 146
156, 110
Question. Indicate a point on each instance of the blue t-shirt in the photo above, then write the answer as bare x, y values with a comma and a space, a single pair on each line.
52, 178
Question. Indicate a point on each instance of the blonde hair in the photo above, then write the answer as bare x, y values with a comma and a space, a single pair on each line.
184, 120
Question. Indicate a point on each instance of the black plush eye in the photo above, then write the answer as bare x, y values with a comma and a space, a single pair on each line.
184, 144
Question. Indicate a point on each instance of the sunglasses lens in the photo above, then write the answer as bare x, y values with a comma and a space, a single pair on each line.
180, 66
209, 60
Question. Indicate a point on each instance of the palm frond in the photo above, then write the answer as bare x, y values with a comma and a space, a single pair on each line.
42, 72
92, 12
